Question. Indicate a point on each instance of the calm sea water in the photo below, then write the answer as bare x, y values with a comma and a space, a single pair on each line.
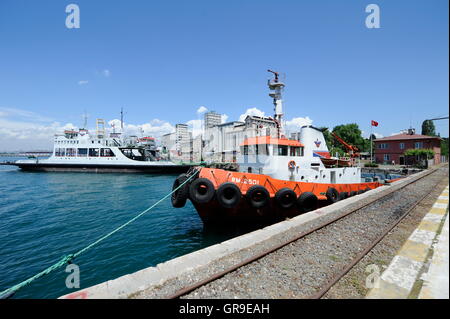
44, 216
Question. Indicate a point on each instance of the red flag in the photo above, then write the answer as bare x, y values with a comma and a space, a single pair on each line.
374, 123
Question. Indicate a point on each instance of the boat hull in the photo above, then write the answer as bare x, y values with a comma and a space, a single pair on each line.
243, 212
102, 168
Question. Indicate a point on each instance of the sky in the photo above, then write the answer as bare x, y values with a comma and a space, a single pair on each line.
167, 62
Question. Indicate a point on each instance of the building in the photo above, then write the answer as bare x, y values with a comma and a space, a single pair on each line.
222, 141
391, 149
212, 119
182, 136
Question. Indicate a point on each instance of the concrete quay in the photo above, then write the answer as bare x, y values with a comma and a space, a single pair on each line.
422, 262
191, 266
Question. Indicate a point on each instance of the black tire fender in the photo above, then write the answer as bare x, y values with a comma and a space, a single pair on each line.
257, 196
180, 196
228, 195
343, 195
307, 202
201, 191
332, 195
285, 198
353, 193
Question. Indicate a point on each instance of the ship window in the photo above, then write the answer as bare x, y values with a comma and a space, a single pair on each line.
262, 149
71, 152
282, 150
93, 152
296, 151
106, 152
82, 152
245, 150
59, 152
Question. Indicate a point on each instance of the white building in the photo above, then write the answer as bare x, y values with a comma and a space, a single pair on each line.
222, 141
212, 119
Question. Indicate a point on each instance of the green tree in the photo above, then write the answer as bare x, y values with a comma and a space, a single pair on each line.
351, 134
444, 146
428, 128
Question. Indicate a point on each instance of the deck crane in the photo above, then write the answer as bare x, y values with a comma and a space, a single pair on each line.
352, 150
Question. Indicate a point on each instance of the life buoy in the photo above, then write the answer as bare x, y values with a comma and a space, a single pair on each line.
180, 196
291, 165
257, 196
332, 195
285, 198
228, 195
201, 191
306, 202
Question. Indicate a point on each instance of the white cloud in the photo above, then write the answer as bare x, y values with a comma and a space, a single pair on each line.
252, 111
155, 128
106, 73
201, 109
296, 123
83, 82
196, 127
22, 135
224, 118
19, 114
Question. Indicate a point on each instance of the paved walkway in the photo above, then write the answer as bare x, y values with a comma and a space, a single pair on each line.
403, 274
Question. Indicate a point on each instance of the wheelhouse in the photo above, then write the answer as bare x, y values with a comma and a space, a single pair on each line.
266, 145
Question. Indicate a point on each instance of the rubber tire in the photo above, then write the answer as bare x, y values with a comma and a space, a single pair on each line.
332, 195
201, 197
285, 198
367, 189
223, 193
360, 192
307, 202
252, 191
180, 196
343, 195
352, 193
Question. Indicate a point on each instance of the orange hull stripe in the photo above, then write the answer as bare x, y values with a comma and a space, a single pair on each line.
246, 180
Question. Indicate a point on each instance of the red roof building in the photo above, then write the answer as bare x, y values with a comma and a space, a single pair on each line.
391, 149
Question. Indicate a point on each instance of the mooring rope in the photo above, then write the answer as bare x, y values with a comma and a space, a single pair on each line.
68, 258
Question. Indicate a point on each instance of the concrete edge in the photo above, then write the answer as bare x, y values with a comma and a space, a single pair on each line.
129, 284
399, 279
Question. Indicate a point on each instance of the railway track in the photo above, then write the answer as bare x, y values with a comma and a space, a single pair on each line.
309, 264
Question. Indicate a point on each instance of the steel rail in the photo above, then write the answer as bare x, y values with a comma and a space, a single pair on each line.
361, 255
230, 269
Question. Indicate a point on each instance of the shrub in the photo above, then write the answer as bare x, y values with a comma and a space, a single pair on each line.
370, 165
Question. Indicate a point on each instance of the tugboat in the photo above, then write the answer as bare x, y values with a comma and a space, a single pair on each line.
277, 177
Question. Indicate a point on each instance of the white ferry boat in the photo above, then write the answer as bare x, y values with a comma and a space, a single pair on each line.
80, 151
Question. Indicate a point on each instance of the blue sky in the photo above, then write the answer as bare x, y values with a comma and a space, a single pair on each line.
164, 59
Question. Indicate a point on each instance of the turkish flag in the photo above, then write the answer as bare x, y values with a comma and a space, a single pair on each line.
374, 123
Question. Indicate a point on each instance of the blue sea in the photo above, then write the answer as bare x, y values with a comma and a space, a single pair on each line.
44, 216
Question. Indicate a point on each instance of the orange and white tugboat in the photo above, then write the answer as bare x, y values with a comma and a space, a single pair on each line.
277, 177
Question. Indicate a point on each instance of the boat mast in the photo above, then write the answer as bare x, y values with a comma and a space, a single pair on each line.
276, 88
121, 118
